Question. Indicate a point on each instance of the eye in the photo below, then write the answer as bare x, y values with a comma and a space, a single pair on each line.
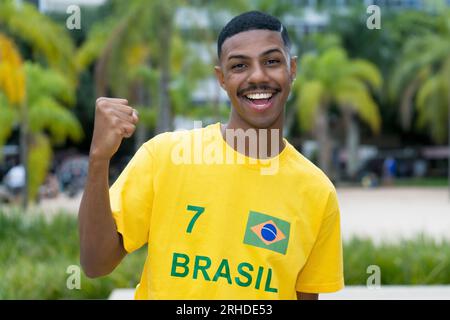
272, 61
238, 66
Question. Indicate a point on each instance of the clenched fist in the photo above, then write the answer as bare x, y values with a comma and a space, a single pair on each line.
114, 120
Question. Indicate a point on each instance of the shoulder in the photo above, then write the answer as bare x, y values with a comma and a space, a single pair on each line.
308, 171
171, 143
312, 180
171, 137
165, 140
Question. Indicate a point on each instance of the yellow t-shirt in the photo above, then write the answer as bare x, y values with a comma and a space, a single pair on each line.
221, 229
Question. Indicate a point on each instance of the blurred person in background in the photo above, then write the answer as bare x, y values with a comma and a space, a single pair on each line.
14, 181
389, 170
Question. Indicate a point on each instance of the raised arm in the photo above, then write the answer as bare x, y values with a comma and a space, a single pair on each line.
101, 247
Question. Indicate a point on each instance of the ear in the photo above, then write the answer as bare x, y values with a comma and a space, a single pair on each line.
220, 77
293, 69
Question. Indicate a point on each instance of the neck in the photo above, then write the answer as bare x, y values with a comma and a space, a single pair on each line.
254, 142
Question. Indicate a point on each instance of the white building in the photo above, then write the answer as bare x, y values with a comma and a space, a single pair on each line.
62, 5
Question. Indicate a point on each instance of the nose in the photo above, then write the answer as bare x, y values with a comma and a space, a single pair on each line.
258, 75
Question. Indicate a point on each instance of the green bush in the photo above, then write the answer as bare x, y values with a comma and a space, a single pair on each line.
36, 251
420, 261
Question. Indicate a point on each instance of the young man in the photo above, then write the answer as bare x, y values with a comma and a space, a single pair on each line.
254, 220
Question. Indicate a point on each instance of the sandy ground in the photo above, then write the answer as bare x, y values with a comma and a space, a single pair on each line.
60, 203
390, 213
381, 214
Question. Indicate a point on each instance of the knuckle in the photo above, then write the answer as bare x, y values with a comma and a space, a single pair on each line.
115, 121
112, 120
110, 113
100, 100
129, 130
128, 109
101, 104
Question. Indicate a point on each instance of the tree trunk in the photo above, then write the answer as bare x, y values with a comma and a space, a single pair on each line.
141, 131
352, 143
406, 104
101, 67
324, 141
165, 113
24, 153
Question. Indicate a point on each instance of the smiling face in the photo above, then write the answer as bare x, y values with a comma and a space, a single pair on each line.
257, 72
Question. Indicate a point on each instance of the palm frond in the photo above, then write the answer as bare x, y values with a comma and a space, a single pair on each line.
432, 104
12, 78
367, 72
47, 114
41, 81
310, 97
8, 118
362, 104
48, 40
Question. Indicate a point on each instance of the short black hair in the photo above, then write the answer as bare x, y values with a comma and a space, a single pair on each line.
252, 20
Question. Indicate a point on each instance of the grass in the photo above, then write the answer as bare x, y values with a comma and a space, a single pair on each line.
420, 261
421, 182
35, 253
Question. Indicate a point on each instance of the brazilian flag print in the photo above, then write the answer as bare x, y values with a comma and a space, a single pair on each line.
267, 232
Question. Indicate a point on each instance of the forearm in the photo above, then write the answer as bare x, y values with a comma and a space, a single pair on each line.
307, 296
101, 248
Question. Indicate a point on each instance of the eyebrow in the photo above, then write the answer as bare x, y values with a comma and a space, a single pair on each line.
265, 53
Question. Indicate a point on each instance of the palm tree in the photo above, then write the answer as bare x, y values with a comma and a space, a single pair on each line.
331, 78
12, 85
422, 77
132, 47
37, 99
433, 103
49, 120
48, 41
50, 45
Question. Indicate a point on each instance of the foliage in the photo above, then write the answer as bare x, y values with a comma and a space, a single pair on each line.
49, 94
12, 85
12, 79
39, 160
36, 251
421, 77
331, 77
419, 261
49, 41
48, 118
34, 96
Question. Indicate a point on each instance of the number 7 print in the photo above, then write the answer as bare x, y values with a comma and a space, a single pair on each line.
198, 212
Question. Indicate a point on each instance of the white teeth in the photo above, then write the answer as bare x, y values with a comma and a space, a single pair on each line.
259, 95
